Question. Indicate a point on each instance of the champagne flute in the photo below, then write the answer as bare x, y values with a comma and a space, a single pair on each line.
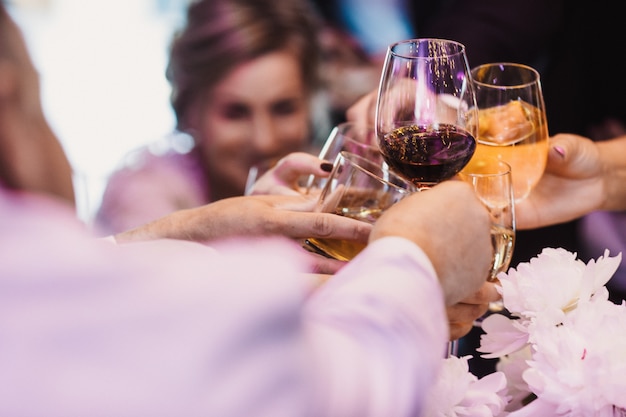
426, 110
512, 124
491, 179
492, 182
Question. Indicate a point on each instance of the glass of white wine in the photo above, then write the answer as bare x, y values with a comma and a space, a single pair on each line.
491, 179
512, 124
360, 189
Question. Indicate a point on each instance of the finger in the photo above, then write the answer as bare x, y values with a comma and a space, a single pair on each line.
292, 216
559, 152
323, 225
292, 166
466, 313
297, 202
487, 293
458, 330
572, 155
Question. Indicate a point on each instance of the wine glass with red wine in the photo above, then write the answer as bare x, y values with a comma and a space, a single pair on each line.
426, 110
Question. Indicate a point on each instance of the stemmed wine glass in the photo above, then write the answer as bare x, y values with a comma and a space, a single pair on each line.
426, 110
426, 113
492, 182
512, 123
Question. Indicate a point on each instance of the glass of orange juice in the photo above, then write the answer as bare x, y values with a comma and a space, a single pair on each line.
512, 124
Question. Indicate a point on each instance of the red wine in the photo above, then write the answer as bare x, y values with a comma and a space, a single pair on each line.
427, 155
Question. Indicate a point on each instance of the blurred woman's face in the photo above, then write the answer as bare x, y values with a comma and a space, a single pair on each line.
257, 112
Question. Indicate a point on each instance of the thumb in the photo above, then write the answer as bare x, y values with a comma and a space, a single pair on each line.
571, 155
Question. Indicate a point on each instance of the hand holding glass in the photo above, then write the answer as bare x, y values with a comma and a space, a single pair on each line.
359, 189
492, 182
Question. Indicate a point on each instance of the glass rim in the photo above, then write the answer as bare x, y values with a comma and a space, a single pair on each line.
535, 74
353, 123
343, 132
346, 128
392, 48
358, 161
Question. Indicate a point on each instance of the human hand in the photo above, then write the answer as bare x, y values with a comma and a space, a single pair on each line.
289, 216
462, 315
452, 227
572, 185
363, 111
282, 178
347, 71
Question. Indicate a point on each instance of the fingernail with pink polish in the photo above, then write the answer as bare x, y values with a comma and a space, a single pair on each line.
560, 151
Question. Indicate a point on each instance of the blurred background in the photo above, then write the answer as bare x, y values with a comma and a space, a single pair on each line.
102, 68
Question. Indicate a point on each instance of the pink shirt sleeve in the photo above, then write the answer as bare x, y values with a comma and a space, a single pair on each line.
170, 328
379, 332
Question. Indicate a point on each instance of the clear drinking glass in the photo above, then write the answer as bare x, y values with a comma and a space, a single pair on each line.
492, 182
426, 114
512, 123
360, 189
256, 171
426, 110
349, 137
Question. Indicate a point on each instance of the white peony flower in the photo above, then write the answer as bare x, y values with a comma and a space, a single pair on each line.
460, 393
553, 281
579, 366
502, 336
565, 343
513, 366
549, 286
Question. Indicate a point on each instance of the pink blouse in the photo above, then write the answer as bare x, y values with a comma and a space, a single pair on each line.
150, 184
